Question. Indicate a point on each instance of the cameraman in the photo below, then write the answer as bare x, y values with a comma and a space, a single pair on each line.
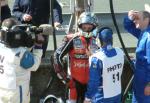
16, 64
37, 12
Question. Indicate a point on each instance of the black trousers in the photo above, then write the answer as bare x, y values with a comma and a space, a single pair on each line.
5, 12
81, 89
45, 44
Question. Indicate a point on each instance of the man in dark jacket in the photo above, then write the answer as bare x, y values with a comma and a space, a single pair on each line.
37, 12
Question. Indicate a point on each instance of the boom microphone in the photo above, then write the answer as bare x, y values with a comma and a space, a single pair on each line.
46, 29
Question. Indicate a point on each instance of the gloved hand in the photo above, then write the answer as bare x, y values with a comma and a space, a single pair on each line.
39, 40
70, 83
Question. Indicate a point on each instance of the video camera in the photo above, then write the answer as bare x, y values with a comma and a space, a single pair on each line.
23, 35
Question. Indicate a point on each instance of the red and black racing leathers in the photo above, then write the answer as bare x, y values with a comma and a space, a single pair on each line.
75, 45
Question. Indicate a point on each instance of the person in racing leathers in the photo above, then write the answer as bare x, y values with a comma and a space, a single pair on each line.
78, 46
16, 64
138, 24
106, 66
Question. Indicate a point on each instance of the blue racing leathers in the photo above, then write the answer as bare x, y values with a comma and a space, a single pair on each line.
104, 84
142, 64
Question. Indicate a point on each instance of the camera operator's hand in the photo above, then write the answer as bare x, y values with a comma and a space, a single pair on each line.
27, 17
39, 40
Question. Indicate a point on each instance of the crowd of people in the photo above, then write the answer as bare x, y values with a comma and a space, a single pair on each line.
95, 71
